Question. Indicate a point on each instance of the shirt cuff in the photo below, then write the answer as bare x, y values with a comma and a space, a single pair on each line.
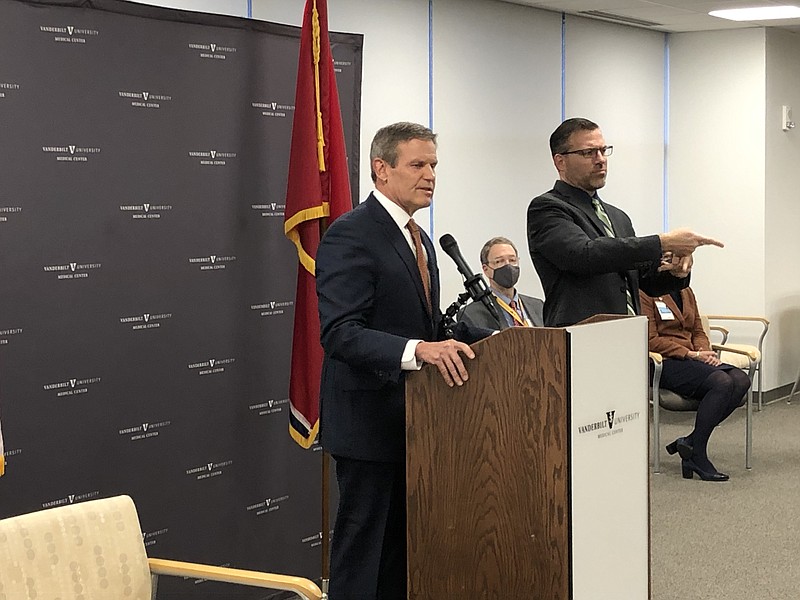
409, 362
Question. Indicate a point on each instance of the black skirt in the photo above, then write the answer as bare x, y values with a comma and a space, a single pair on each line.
685, 376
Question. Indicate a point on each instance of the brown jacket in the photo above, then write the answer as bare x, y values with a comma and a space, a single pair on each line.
674, 338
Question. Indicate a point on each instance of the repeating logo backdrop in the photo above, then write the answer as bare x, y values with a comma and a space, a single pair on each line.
146, 287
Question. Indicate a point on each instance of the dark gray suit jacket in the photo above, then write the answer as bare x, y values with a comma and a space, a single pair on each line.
476, 314
583, 271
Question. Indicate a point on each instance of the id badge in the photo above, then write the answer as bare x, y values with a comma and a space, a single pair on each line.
664, 313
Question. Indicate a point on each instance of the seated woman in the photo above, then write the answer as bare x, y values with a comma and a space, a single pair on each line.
691, 369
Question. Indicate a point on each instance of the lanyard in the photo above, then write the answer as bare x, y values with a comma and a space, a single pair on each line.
522, 320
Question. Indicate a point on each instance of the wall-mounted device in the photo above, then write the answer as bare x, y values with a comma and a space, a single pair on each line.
786, 118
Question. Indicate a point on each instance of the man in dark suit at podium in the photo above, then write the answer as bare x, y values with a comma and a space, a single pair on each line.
500, 263
378, 291
586, 252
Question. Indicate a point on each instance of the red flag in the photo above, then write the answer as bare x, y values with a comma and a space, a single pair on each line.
318, 192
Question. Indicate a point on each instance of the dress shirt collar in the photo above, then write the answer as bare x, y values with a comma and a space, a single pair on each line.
398, 215
505, 298
520, 308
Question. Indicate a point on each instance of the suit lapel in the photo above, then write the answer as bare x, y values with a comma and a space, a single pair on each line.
580, 203
400, 245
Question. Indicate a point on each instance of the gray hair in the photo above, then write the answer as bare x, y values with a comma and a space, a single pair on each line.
384, 144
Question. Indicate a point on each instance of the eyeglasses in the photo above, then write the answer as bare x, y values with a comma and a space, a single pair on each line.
591, 152
501, 262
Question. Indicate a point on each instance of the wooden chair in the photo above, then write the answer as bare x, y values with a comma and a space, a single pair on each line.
95, 550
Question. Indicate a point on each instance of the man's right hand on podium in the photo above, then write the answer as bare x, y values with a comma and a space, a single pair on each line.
447, 358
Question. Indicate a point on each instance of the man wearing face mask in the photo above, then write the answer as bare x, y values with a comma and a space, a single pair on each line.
500, 263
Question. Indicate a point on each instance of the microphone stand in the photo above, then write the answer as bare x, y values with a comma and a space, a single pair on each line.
448, 320
477, 290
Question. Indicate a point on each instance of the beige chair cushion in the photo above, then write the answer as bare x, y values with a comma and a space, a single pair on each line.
739, 360
87, 551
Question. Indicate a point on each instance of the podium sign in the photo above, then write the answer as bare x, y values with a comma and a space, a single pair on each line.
609, 475
531, 480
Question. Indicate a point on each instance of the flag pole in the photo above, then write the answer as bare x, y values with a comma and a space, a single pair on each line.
326, 527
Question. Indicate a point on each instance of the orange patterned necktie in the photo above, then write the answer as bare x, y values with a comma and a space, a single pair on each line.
422, 264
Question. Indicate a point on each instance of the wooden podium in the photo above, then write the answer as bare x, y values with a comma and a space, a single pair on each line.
531, 480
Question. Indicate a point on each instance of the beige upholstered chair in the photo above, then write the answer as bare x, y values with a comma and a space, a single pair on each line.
94, 551
744, 357
752, 354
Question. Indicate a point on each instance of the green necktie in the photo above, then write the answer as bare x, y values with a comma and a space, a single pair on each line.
603, 216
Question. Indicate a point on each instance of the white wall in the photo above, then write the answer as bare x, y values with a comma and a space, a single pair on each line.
235, 8
716, 165
615, 77
716, 162
782, 282
497, 78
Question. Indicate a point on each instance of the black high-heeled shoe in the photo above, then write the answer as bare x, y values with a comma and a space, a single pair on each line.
682, 447
689, 468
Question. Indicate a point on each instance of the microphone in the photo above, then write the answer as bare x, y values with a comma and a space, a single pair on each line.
474, 284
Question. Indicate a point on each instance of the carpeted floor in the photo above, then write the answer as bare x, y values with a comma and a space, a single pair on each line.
737, 540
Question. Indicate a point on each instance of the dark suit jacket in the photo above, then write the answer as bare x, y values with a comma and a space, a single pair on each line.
583, 271
477, 315
371, 302
677, 337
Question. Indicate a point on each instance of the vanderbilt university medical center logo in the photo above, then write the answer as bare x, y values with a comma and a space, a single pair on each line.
272, 308
7, 88
145, 99
145, 321
72, 270
270, 407
71, 499
9, 453
340, 65
609, 426
6, 211
269, 505
212, 158
144, 431
314, 540
208, 470
71, 387
71, 153
69, 34
6, 333
150, 538
212, 51
273, 109
211, 366
145, 210
213, 262
273, 209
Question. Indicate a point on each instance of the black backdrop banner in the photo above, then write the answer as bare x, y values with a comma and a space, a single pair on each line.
146, 286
